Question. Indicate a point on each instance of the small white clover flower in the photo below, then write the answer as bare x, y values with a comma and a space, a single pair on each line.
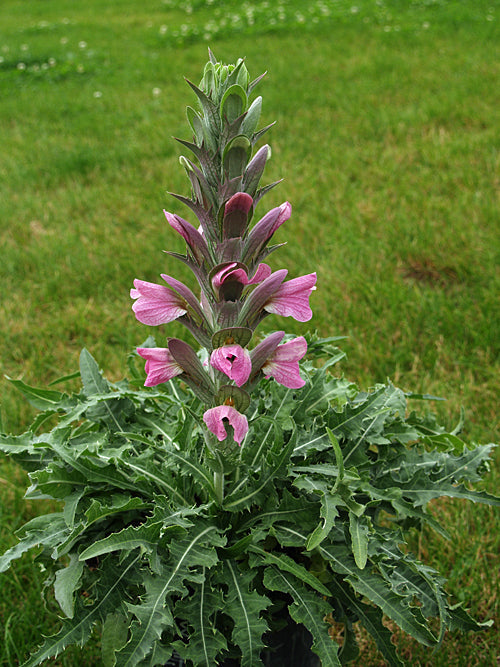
21, 66
64, 40
82, 45
97, 94
426, 25
156, 92
163, 29
52, 62
24, 47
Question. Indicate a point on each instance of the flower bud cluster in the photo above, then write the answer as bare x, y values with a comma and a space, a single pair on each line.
226, 253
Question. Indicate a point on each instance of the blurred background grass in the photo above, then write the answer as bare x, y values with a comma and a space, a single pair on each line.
387, 137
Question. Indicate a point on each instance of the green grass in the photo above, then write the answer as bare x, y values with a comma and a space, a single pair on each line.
387, 137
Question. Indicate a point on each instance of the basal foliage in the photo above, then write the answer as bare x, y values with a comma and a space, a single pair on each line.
330, 481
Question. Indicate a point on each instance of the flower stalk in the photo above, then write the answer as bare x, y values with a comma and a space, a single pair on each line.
225, 252
219, 486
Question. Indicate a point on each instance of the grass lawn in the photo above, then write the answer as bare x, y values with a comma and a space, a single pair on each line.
387, 137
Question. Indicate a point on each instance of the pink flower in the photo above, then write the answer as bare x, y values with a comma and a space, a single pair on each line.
156, 304
160, 365
232, 273
214, 419
283, 364
291, 299
234, 361
229, 281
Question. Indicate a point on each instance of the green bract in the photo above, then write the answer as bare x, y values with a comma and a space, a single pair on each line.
175, 546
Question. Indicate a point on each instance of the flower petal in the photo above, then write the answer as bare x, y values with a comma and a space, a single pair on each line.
253, 305
184, 293
264, 350
160, 365
214, 419
291, 299
263, 271
283, 364
234, 361
156, 304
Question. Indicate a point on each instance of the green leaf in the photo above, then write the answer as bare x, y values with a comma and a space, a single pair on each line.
359, 530
47, 530
361, 421
371, 619
92, 379
372, 586
66, 582
199, 611
110, 409
41, 399
287, 564
338, 458
196, 124
461, 620
113, 637
244, 606
116, 503
309, 609
244, 494
56, 481
328, 513
78, 629
366, 583
188, 556
145, 536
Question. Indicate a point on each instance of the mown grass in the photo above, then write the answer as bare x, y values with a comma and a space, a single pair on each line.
387, 138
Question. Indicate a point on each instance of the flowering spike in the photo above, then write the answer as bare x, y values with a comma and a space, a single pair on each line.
237, 289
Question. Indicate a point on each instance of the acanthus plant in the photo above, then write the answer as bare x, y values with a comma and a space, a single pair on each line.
237, 493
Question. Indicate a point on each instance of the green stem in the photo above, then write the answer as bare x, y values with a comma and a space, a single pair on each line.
219, 486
